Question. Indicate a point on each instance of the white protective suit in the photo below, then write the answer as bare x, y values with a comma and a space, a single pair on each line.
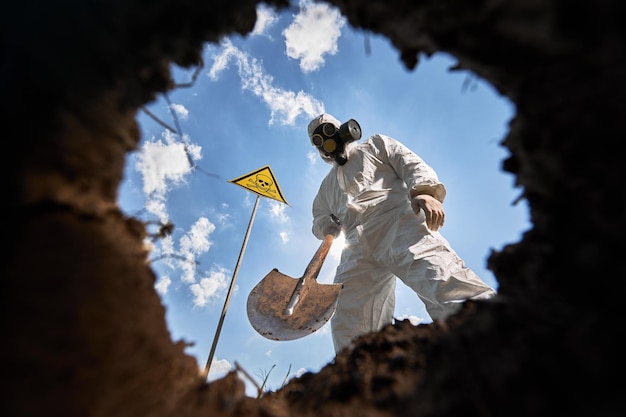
385, 239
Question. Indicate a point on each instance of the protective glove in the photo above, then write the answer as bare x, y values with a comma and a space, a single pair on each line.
433, 210
333, 227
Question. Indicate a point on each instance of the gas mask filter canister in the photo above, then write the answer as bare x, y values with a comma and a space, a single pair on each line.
332, 140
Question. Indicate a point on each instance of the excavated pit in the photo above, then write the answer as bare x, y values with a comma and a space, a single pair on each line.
75, 73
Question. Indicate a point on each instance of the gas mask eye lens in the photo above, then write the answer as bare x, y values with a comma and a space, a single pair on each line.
317, 139
330, 145
328, 129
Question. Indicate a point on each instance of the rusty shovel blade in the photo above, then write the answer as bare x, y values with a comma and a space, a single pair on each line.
284, 308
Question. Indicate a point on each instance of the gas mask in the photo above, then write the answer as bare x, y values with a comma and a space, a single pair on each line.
331, 141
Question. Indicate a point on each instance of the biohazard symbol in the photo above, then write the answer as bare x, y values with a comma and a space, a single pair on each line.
261, 182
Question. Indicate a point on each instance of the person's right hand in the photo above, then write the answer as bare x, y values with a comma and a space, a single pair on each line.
433, 210
333, 227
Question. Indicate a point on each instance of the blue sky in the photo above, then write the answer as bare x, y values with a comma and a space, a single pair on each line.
248, 107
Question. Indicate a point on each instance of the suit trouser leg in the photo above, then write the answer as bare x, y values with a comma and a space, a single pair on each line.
366, 302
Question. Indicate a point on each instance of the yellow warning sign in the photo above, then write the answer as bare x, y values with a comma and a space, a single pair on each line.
262, 182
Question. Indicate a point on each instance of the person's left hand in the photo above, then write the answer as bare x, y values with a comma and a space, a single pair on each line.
433, 210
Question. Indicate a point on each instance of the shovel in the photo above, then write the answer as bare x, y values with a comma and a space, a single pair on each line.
284, 308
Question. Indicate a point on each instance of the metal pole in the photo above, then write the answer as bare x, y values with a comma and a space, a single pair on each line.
230, 290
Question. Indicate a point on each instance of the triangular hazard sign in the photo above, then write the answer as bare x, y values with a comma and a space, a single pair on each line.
261, 182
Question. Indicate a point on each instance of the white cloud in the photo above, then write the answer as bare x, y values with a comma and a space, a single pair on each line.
224, 218
265, 19
285, 106
188, 269
196, 241
193, 244
414, 320
180, 110
193, 151
163, 164
219, 369
247, 199
165, 248
312, 156
163, 284
277, 212
167, 244
156, 205
209, 287
284, 237
163, 257
313, 34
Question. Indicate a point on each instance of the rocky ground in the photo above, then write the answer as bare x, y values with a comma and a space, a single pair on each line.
84, 332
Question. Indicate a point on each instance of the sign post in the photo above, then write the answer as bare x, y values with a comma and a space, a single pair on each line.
263, 183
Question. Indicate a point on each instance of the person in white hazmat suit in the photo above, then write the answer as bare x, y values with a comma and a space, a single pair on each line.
388, 203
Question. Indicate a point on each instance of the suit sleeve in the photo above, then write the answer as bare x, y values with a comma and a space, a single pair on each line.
327, 201
419, 177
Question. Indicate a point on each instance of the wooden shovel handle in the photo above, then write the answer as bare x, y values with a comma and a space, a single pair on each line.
315, 266
311, 271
